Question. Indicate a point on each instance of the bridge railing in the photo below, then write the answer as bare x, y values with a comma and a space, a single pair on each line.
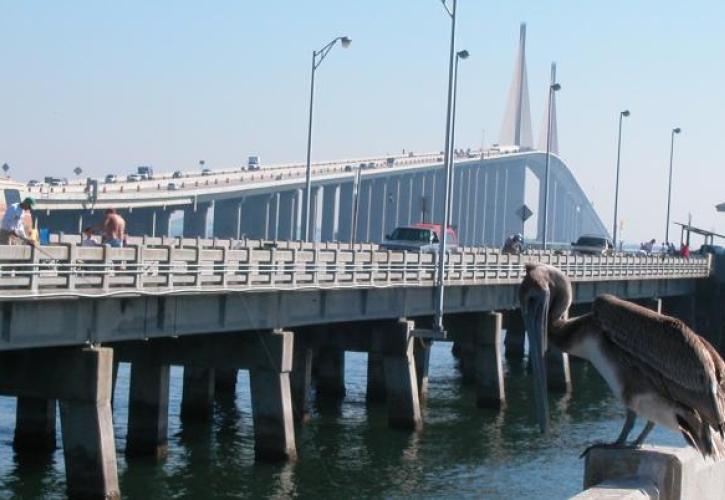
71, 269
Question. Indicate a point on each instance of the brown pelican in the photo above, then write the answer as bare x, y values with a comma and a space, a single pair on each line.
654, 364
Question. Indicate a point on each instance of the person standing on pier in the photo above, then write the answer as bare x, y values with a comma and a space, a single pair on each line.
114, 229
12, 227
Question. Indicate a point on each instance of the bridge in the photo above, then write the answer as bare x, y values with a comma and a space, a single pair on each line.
349, 203
69, 314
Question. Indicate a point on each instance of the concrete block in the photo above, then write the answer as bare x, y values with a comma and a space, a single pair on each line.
301, 379
197, 401
87, 429
676, 473
34, 425
330, 373
148, 409
401, 383
225, 382
490, 392
421, 351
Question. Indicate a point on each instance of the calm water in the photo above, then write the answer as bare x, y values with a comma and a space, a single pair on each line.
348, 451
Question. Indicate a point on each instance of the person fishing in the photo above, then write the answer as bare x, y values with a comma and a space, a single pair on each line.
12, 226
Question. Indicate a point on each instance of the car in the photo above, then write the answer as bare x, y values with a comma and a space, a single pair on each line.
178, 174
371, 165
206, 171
145, 171
363, 166
111, 179
590, 244
348, 168
172, 186
420, 237
35, 183
133, 178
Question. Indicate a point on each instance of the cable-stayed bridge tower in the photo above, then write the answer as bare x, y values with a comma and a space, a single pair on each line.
516, 128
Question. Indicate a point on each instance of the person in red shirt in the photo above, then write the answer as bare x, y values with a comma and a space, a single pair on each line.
685, 250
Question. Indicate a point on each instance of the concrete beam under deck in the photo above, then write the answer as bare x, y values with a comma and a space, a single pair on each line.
42, 323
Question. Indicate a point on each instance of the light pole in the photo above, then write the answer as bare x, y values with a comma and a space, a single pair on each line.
317, 57
438, 327
554, 87
622, 114
676, 130
461, 54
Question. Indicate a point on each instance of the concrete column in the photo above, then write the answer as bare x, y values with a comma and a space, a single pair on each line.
287, 223
344, 220
515, 334
376, 378
197, 402
87, 428
227, 218
401, 384
274, 437
148, 409
330, 373
255, 216
34, 425
300, 379
490, 391
330, 206
225, 382
377, 210
139, 221
421, 350
195, 220
461, 330
557, 366
162, 222
558, 373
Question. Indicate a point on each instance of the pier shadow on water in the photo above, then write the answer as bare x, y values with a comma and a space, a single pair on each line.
347, 450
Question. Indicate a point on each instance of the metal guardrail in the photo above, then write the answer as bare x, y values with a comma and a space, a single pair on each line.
69, 269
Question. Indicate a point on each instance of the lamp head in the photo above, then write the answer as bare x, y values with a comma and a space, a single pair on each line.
463, 54
555, 87
676, 130
625, 112
345, 42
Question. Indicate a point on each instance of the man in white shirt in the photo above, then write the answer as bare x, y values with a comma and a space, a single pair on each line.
12, 227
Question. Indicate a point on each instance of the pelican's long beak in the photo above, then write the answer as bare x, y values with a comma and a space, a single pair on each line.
536, 319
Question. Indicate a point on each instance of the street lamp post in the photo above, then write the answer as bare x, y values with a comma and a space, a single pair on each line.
622, 114
438, 326
317, 57
675, 130
461, 54
554, 87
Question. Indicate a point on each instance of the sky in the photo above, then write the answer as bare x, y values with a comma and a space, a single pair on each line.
111, 85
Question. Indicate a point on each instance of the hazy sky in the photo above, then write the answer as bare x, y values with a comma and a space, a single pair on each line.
110, 85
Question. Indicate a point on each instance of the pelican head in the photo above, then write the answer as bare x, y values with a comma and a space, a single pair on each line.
545, 295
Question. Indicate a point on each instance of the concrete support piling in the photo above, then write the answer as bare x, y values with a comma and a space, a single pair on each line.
400, 377
421, 351
376, 378
558, 372
515, 334
300, 380
34, 425
274, 437
148, 409
197, 402
225, 382
490, 391
87, 429
330, 373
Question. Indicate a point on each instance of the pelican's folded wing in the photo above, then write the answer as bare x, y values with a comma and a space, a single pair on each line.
692, 372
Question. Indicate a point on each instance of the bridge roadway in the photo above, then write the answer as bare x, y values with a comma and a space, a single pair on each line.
489, 189
70, 314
